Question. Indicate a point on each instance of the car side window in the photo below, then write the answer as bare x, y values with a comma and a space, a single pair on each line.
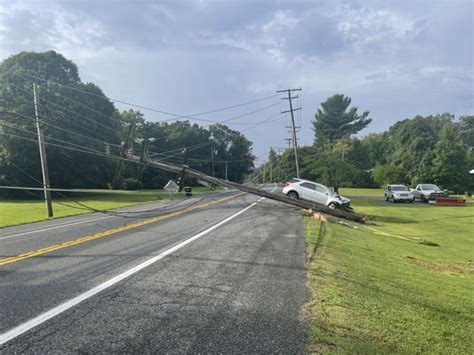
389, 188
320, 189
308, 185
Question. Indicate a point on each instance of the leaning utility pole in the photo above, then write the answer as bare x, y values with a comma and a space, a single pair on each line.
291, 110
44, 162
143, 158
123, 155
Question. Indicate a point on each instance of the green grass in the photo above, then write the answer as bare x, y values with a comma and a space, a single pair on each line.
350, 191
374, 292
14, 211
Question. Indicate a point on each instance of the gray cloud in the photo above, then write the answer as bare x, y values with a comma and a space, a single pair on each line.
394, 59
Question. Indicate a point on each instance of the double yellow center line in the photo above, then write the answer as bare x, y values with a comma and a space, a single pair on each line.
55, 247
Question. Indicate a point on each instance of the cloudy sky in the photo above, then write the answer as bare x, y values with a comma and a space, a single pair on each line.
395, 59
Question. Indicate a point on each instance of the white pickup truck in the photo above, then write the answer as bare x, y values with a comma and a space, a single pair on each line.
426, 192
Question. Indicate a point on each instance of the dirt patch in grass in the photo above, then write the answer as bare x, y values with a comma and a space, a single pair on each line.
455, 269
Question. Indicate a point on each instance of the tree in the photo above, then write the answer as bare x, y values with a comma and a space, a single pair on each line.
411, 142
336, 120
132, 116
450, 165
234, 148
273, 165
64, 107
466, 130
389, 174
377, 147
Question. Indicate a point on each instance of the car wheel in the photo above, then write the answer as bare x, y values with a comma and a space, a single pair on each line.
332, 205
411, 201
386, 198
293, 195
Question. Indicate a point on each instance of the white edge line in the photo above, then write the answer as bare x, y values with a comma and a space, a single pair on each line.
32, 323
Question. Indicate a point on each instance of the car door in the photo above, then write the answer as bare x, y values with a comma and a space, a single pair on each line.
417, 192
321, 195
306, 191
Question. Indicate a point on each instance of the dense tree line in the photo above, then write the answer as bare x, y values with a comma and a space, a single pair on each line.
433, 149
84, 131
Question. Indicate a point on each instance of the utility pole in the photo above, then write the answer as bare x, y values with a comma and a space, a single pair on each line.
123, 155
212, 139
185, 165
143, 158
44, 162
271, 166
212, 161
263, 178
291, 110
226, 171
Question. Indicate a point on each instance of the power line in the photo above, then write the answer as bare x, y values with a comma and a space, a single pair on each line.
91, 151
47, 137
177, 116
63, 129
104, 127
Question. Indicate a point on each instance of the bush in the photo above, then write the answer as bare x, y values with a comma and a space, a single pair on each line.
132, 184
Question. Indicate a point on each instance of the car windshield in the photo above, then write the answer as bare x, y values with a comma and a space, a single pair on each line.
399, 188
429, 187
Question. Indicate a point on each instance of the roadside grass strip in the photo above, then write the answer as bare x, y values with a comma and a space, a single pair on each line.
387, 295
21, 211
52, 248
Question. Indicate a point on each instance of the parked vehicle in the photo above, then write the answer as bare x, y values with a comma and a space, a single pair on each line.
314, 192
398, 193
427, 192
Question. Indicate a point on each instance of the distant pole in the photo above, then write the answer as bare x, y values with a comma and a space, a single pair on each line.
271, 168
123, 155
264, 173
226, 171
293, 130
44, 162
183, 171
212, 160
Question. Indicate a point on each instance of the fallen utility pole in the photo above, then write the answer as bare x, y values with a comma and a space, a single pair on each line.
44, 162
256, 191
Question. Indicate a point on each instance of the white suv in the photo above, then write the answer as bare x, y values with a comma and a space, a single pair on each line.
314, 192
398, 193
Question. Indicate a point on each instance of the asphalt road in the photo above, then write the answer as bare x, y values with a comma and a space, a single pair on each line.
215, 274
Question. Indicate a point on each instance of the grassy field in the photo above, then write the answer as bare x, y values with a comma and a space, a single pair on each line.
348, 191
381, 290
14, 211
